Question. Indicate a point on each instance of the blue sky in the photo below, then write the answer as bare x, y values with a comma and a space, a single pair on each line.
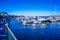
30, 7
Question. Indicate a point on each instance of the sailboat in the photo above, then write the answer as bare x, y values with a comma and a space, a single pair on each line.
55, 18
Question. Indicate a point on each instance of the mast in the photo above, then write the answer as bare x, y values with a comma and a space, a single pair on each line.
55, 10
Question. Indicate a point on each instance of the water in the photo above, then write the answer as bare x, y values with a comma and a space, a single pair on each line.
38, 32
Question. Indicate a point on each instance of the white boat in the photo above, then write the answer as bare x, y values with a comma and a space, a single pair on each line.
24, 22
35, 22
41, 19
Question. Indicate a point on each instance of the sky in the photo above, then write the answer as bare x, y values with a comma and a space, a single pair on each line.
31, 7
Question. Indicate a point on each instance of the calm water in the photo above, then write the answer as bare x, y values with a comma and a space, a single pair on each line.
38, 32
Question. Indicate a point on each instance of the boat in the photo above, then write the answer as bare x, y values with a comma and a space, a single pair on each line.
43, 20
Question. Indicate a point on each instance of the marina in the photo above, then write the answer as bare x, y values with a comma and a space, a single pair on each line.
38, 20
29, 28
29, 19
35, 32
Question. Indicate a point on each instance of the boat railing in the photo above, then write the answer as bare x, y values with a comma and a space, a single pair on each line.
9, 33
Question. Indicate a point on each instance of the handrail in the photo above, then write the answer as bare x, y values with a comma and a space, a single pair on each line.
10, 32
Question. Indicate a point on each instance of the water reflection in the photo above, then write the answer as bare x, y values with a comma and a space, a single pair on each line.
34, 26
43, 25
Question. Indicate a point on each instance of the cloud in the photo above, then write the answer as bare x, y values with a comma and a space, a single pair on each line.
33, 13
